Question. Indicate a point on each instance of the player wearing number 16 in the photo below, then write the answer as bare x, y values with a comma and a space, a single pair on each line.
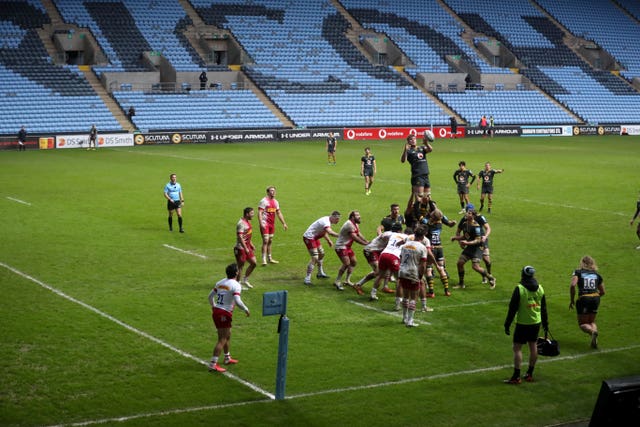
589, 285
223, 298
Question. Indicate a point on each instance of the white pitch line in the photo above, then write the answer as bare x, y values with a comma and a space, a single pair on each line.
388, 313
185, 251
18, 201
346, 389
160, 414
134, 330
471, 304
458, 373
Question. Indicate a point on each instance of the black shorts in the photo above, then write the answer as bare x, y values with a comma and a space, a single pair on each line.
463, 189
421, 180
367, 172
487, 189
438, 253
587, 305
473, 253
171, 205
526, 333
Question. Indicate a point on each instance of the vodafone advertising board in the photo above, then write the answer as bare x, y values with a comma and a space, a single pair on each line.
356, 134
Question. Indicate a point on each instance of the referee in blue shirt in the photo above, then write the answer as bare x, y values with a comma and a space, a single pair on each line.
175, 200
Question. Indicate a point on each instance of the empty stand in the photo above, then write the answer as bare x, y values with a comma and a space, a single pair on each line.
604, 23
311, 71
424, 31
300, 56
593, 95
33, 91
219, 109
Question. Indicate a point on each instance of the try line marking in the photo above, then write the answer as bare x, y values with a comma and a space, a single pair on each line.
185, 251
133, 329
18, 201
398, 314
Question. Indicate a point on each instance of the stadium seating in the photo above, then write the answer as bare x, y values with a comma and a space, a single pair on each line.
125, 29
604, 23
632, 7
307, 66
507, 107
300, 56
198, 110
424, 31
35, 93
594, 96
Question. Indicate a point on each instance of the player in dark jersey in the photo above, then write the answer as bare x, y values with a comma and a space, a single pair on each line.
463, 178
590, 287
417, 158
470, 236
486, 178
368, 169
332, 145
634, 218
486, 231
392, 222
434, 231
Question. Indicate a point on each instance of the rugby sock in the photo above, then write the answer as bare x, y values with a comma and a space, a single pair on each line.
170, 223
320, 269
180, 221
445, 281
516, 373
488, 267
309, 270
411, 310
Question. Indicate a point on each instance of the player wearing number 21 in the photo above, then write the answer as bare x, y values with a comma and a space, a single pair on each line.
223, 298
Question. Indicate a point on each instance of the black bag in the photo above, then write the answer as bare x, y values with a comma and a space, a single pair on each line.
548, 347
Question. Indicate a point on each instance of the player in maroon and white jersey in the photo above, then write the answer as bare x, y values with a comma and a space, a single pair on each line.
388, 263
372, 254
268, 209
318, 230
349, 233
244, 250
413, 265
223, 298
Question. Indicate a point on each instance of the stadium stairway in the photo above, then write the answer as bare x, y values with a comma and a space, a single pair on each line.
192, 30
249, 84
353, 33
45, 35
110, 103
191, 34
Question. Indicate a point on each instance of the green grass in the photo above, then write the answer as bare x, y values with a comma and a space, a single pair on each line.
92, 225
